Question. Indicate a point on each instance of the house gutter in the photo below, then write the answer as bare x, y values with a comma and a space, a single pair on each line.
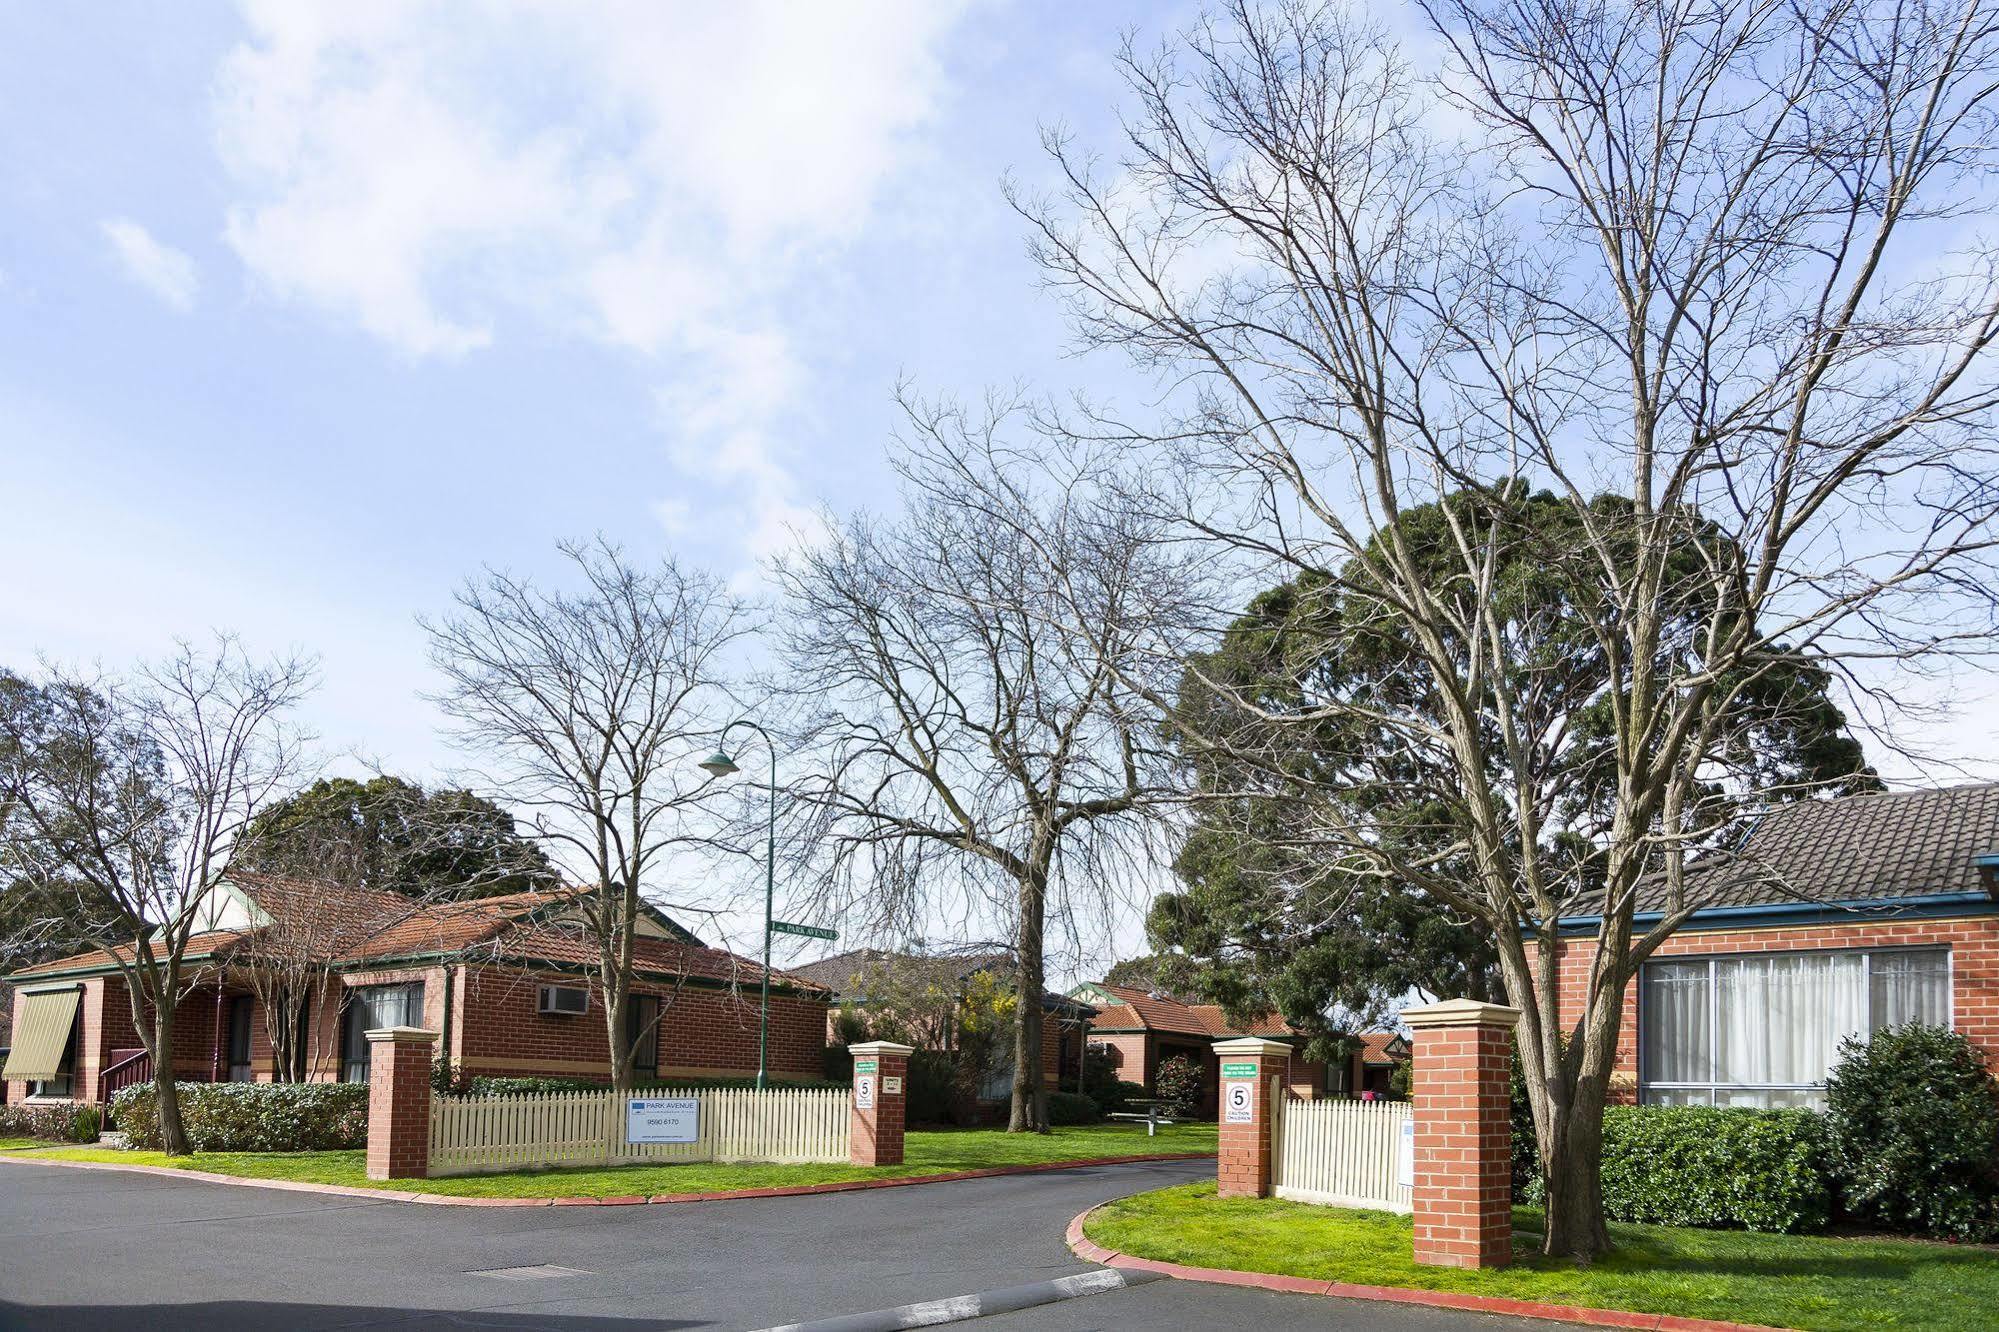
1781, 913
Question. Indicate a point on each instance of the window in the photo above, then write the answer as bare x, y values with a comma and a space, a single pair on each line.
642, 1034
370, 1007
1764, 1030
240, 1010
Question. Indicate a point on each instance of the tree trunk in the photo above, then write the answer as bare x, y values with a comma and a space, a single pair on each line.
1571, 1172
621, 1051
166, 1096
1029, 1110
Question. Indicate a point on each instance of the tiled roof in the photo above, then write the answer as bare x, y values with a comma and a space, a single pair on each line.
1902, 844
198, 946
849, 975
1383, 1047
359, 926
1140, 1010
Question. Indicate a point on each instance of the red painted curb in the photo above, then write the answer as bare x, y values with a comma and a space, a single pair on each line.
719, 1195
1092, 1252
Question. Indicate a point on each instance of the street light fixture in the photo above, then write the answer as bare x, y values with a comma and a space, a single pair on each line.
719, 764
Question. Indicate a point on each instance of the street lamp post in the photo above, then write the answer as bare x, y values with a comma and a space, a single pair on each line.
721, 765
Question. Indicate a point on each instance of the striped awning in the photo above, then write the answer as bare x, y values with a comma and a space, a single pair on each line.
42, 1023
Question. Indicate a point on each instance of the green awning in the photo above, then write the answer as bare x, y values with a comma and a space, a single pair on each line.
42, 1024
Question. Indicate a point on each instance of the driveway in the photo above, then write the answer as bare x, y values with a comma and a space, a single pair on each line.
101, 1249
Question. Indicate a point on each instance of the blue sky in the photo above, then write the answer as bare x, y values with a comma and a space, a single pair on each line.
306, 311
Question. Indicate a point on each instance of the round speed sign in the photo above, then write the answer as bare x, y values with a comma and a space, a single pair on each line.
1239, 1100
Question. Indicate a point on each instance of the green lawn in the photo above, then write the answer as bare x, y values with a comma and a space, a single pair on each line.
16, 1144
1777, 1280
926, 1152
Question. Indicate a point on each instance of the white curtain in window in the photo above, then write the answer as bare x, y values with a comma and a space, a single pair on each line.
1783, 1017
1674, 1029
1910, 987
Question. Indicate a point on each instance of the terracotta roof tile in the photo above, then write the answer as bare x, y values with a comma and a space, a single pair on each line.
1138, 1009
198, 946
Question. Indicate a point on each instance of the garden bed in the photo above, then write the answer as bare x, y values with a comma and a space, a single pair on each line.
1774, 1280
926, 1152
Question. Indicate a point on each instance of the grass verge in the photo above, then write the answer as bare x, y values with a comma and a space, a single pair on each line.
1778, 1280
925, 1152
20, 1144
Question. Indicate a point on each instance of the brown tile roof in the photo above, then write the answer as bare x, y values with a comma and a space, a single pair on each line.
1140, 1010
654, 957
849, 975
198, 946
1896, 845
1382, 1048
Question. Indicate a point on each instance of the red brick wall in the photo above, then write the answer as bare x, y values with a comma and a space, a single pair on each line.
1463, 1197
1129, 1051
1974, 950
703, 1032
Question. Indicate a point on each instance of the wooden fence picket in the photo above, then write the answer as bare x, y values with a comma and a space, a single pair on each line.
1341, 1153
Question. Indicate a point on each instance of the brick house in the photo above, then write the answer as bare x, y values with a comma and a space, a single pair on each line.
935, 984
507, 981
1139, 1030
1833, 919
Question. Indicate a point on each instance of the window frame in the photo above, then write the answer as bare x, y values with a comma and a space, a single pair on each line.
350, 1010
1712, 1088
246, 1005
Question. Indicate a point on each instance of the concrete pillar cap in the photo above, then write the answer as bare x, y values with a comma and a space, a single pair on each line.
1460, 1013
880, 1048
1251, 1045
401, 1035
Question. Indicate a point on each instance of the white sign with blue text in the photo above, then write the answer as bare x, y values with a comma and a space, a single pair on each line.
662, 1119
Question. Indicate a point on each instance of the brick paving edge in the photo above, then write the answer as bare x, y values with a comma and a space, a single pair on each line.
1092, 1252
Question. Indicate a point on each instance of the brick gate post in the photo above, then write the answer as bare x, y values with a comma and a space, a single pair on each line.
399, 1102
881, 1070
1253, 1072
1463, 1192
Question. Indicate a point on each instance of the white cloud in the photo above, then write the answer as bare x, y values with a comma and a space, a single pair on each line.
161, 269
657, 178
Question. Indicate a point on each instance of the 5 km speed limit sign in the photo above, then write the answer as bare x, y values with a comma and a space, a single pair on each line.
1239, 1103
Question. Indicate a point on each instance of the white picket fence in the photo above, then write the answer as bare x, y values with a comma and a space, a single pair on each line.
1341, 1153
472, 1135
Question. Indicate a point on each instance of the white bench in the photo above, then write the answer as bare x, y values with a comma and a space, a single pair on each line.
1152, 1119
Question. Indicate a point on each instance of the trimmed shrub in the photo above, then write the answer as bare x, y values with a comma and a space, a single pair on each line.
938, 1090
1071, 1108
1178, 1081
252, 1116
533, 1086
1914, 1125
1726, 1169
1099, 1080
1126, 1094
51, 1123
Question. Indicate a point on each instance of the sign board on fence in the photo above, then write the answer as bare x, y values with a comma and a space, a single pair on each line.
663, 1119
864, 1093
891, 1086
1240, 1103
1405, 1155
1239, 1071
805, 931
864, 1066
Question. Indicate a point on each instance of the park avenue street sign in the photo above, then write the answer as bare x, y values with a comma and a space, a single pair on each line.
809, 931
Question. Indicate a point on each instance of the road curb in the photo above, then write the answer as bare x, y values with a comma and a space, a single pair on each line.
633, 1200
1090, 1251
959, 1308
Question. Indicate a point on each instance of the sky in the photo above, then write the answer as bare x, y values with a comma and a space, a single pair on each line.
307, 311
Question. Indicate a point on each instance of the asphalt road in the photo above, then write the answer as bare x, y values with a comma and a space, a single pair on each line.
101, 1249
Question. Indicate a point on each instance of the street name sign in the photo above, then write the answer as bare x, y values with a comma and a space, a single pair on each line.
804, 931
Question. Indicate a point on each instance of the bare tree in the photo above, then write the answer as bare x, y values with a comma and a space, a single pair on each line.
1702, 270
587, 707
134, 793
967, 739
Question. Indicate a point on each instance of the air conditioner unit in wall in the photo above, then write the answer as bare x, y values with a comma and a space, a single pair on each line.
564, 1001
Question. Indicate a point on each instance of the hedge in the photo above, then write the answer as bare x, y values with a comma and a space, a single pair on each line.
252, 1116
1065, 1108
532, 1086
51, 1123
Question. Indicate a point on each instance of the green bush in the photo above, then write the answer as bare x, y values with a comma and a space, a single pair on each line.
1179, 1082
1099, 1080
1072, 1108
1526, 1152
252, 1116
1127, 1093
535, 1086
1914, 1125
50, 1123
938, 1090
1726, 1169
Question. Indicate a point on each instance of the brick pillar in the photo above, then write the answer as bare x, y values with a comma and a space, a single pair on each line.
399, 1102
1464, 1133
881, 1072
1253, 1075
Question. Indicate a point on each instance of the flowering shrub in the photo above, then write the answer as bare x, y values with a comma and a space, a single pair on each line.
51, 1123
252, 1116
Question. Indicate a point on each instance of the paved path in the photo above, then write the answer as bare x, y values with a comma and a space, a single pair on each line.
101, 1249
